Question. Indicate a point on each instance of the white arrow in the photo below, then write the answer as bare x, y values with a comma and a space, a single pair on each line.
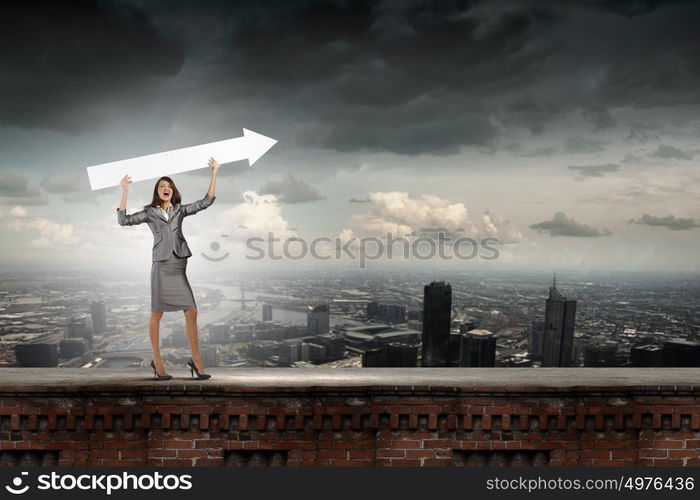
251, 147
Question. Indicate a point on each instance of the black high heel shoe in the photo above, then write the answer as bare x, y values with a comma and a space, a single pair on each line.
158, 376
193, 370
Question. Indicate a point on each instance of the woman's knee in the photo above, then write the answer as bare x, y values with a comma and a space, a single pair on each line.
191, 313
156, 315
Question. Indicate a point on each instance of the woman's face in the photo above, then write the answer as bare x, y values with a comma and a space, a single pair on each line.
165, 191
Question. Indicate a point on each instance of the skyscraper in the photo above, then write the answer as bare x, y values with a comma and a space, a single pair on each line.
374, 357
534, 342
680, 353
402, 355
78, 327
99, 317
558, 335
220, 333
318, 320
266, 312
478, 348
646, 355
437, 313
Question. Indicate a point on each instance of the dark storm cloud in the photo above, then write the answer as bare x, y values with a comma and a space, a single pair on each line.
669, 222
669, 152
561, 225
580, 144
72, 187
640, 133
600, 118
61, 184
15, 189
432, 77
68, 66
408, 77
13, 183
531, 113
403, 77
517, 148
628, 8
584, 171
291, 190
658, 62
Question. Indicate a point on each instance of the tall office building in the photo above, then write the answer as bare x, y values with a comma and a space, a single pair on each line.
647, 355
178, 336
267, 312
334, 344
210, 356
374, 357
220, 333
72, 348
534, 341
99, 317
400, 354
78, 327
372, 310
318, 320
478, 348
558, 334
600, 355
680, 353
389, 313
437, 314
453, 348
37, 354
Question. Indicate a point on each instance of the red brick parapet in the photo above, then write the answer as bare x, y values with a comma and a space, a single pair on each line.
352, 417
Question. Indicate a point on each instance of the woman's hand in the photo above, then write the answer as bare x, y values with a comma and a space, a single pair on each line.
214, 165
126, 180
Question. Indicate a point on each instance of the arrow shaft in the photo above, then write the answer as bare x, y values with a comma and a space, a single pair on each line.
169, 162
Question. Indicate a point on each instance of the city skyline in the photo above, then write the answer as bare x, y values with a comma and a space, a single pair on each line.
361, 319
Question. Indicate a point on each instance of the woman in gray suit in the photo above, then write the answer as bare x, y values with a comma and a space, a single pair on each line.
170, 289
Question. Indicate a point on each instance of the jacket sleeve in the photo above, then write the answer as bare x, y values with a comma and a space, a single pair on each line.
193, 208
131, 220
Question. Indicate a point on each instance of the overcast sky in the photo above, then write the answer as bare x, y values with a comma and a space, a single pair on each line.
569, 130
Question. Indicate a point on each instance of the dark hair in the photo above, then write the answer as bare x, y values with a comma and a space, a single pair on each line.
157, 202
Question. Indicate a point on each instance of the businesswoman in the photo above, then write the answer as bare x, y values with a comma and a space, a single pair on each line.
170, 289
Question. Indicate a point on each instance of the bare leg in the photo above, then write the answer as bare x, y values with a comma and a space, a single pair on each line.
191, 326
154, 333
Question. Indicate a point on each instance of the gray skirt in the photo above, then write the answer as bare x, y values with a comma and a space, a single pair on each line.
170, 289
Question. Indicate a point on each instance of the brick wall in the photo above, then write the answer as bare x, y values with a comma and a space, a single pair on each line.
216, 424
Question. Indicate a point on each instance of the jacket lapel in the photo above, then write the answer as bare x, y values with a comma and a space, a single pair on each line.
159, 213
172, 210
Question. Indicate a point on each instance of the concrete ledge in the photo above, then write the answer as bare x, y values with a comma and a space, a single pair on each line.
397, 380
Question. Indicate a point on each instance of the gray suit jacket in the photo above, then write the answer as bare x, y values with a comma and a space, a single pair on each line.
167, 234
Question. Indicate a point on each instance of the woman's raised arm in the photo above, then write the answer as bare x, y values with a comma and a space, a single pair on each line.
209, 197
122, 218
126, 180
214, 170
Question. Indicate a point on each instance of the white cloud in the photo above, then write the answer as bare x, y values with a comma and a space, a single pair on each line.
499, 227
399, 214
51, 235
258, 215
373, 224
19, 212
428, 211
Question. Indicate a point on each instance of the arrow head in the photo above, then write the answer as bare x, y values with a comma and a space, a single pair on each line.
257, 145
